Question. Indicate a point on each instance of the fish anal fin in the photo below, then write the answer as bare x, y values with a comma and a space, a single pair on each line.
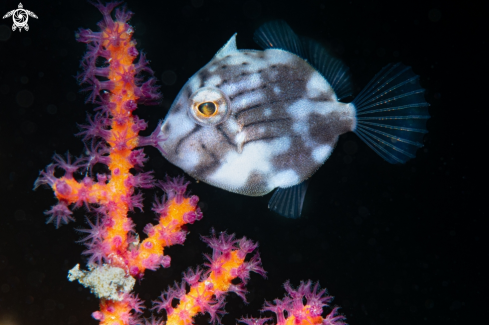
288, 201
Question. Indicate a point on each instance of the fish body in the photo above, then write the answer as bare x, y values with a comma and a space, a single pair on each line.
253, 121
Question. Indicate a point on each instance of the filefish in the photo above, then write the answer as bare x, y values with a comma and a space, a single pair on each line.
253, 121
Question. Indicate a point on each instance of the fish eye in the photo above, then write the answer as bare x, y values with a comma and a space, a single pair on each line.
209, 106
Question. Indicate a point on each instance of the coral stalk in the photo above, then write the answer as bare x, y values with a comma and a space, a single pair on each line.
113, 136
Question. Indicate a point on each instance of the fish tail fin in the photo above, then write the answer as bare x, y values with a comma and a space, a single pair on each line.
391, 114
288, 201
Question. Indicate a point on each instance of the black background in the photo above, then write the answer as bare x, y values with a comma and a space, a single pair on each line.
394, 244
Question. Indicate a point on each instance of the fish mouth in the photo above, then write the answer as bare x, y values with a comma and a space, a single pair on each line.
156, 139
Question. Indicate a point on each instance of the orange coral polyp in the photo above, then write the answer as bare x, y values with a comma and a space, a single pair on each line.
113, 312
171, 221
176, 211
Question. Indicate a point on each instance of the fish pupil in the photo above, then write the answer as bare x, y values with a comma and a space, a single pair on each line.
207, 108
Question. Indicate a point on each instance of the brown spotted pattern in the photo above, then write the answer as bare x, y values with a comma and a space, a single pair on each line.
260, 112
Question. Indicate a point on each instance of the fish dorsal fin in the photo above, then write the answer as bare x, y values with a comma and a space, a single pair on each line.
228, 48
278, 35
335, 71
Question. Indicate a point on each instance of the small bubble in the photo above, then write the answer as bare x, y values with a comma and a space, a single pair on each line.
51, 109
350, 147
398, 289
35, 278
24, 80
64, 34
5, 288
363, 211
395, 54
5, 32
456, 305
28, 127
4, 89
24, 98
197, 3
169, 77
29, 300
295, 258
19, 215
71, 96
140, 28
380, 52
252, 9
49, 304
26, 41
339, 49
434, 15
203, 206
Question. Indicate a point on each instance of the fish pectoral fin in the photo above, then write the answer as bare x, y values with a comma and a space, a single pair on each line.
288, 201
240, 140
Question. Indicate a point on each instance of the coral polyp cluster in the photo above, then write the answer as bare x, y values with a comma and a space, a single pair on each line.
302, 306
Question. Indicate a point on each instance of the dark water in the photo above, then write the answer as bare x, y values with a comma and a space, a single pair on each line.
393, 244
